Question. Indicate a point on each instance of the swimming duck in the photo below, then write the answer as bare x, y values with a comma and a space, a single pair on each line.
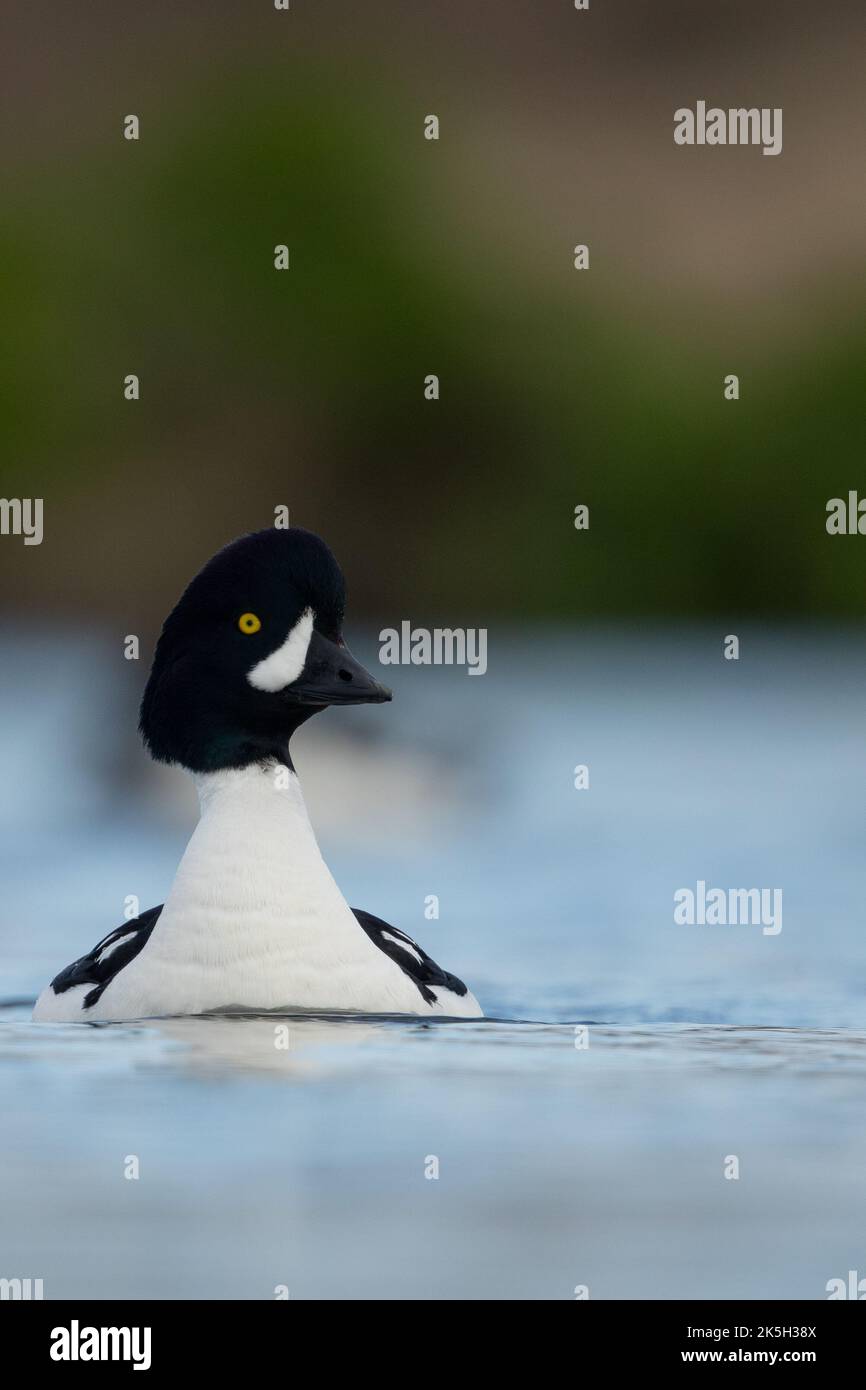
253, 920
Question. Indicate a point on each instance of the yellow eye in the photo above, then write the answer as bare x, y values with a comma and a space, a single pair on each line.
249, 623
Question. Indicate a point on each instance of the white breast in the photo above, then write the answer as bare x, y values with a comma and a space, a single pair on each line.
254, 920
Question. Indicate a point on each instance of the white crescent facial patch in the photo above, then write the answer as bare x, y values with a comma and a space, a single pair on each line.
286, 663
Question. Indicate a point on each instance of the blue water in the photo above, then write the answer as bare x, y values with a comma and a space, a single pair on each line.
558, 1165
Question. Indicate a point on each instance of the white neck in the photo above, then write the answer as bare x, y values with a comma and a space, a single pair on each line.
254, 854
253, 915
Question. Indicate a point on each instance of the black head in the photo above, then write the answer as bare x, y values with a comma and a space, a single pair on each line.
253, 647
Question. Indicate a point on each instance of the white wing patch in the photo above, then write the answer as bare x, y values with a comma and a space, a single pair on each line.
286, 663
404, 946
103, 955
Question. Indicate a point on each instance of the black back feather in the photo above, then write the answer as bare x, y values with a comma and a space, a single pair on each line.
424, 972
89, 970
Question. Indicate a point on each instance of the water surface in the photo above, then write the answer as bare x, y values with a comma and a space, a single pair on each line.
558, 1165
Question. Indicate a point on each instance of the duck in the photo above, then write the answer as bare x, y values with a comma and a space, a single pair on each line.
253, 921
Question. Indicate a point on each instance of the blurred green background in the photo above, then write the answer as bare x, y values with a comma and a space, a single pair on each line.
411, 257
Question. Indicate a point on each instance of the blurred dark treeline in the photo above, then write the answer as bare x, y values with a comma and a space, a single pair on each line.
410, 257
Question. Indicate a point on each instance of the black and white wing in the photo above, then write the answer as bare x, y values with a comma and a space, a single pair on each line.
99, 967
412, 960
